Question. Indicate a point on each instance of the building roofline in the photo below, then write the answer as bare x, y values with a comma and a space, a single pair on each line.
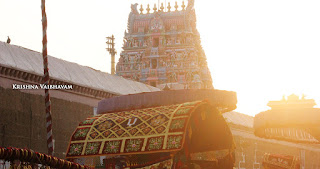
19, 63
32, 78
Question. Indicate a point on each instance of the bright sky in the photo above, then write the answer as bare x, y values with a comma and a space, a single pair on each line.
261, 49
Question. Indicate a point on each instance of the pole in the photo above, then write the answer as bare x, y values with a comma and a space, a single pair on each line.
112, 51
302, 158
46, 79
112, 57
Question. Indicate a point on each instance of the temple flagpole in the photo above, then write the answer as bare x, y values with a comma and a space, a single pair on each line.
46, 79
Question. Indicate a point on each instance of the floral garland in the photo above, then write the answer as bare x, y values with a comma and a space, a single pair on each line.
27, 155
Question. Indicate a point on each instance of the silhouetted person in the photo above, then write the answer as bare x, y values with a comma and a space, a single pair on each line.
8, 40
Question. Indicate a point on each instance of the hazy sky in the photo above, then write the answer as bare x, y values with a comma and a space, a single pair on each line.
261, 49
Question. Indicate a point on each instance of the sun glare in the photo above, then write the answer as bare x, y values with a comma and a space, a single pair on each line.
261, 50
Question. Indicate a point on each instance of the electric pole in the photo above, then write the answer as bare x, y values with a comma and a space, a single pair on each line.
112, 51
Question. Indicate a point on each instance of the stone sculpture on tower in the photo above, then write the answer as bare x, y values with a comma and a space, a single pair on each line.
163, 48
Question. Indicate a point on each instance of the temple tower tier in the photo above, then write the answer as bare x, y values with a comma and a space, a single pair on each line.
163, 48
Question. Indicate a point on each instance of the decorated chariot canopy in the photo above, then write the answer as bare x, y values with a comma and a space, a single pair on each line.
158, 126
278, 161
290, 119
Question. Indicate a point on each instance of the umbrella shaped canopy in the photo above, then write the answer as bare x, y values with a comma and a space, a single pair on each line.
292, 120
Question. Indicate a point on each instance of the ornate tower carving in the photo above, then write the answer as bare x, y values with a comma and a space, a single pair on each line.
164, 47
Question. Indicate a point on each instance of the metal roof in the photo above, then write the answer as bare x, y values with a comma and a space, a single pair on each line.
31, 61
239, 119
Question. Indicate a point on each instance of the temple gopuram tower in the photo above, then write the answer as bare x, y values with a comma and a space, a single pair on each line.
163, 47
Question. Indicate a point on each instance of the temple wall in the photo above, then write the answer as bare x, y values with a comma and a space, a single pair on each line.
7, 82
22, 120
253, 149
